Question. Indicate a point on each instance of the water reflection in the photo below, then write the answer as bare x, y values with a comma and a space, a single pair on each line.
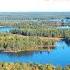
67, 41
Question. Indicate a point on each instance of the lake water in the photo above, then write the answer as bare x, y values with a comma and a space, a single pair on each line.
63, 27
58, 56
60, 20
6, 28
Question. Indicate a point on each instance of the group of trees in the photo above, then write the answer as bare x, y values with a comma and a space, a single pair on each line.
33, 24
13, 42
3, 23
51, 32
24, 66
36, 28
27, 35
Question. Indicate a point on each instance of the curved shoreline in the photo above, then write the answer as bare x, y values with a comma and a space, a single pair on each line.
5, 51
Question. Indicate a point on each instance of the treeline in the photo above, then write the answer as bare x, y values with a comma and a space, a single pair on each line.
24, 23
33, 24
24, 66
3, 23
44, 32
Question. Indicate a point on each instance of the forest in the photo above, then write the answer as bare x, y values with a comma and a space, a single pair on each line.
36, 33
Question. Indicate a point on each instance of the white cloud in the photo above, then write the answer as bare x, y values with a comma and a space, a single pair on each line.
34, 5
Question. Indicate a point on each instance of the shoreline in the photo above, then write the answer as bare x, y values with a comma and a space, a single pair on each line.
19, 51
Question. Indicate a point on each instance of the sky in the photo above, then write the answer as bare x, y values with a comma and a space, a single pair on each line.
34, 5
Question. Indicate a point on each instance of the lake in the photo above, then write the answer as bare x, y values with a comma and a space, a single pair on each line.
60, 20
58, 56
63, 27
6, 28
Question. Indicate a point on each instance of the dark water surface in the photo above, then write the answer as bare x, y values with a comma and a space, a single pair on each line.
59, 56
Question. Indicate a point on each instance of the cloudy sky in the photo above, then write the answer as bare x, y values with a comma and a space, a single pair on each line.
34, 5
